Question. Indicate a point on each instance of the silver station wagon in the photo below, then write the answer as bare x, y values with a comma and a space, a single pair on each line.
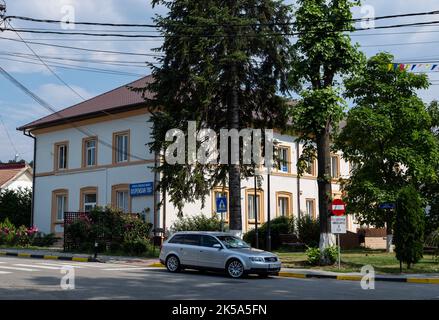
216, 251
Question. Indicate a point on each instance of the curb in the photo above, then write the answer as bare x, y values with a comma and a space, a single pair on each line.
357, 278
47, 257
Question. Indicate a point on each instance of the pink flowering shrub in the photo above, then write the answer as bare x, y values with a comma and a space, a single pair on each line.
17, 236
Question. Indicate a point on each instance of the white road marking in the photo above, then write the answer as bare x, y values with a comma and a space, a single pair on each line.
84, 265
35, 266
4, 272
60, 265
126, 269
18, 269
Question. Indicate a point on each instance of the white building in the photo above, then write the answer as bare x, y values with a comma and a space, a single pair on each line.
91, 153
14, 176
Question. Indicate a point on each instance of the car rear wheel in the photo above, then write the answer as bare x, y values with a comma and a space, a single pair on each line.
235, 269
173, 264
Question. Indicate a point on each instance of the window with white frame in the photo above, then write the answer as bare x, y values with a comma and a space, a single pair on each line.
283, 206
252, 211
61, 206
122, 200
61, 154
90, 152
284, 159
310, 207
89, 201
335, 172
122, 141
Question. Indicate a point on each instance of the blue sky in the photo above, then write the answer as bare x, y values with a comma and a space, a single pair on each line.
17, 109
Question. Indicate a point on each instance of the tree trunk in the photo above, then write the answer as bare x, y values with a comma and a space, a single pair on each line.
327, 239
234, 170
389, 238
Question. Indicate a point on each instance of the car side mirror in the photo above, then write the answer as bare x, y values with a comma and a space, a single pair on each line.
218, 246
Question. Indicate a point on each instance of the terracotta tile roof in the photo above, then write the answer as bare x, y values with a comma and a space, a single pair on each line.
9, 171
113, 100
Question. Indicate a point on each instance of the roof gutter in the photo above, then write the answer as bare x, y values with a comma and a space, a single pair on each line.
29, 134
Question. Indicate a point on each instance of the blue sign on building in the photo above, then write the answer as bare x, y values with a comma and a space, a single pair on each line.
387, 206
221, 204
142, 189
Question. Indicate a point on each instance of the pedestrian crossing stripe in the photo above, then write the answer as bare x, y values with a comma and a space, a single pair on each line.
36, 266
17, 268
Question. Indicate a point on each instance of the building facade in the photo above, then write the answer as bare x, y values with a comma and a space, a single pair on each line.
96, 154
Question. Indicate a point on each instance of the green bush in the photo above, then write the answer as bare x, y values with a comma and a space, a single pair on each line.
409, 226
197, 223
313, 256
331, 254
15, 205
44, 240
278, 226
308, 230
16, 236
112, 229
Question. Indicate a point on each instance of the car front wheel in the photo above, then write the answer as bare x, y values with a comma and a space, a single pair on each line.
173, 264
235, 269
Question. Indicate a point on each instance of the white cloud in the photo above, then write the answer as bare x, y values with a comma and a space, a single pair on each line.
61, 96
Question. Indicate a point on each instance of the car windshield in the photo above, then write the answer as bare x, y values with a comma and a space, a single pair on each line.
233, 242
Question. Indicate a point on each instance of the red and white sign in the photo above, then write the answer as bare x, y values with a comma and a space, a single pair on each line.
338, 207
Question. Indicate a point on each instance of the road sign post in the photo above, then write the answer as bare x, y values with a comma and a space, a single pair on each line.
338, 223
221, 207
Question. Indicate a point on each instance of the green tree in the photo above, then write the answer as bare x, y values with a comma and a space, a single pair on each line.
223, 67
322, 55
409, 226
16, 206
387, 139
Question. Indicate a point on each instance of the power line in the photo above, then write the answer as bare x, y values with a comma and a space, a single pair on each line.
84, 49
50, 108
48, 67
190, 35
415, 14
79, 68
123, 63
9, 137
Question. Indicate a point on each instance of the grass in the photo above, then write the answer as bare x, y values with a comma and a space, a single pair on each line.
354, 260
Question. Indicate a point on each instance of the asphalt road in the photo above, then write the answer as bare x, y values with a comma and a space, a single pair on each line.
22, 278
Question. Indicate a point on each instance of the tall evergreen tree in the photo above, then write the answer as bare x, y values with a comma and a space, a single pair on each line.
409, 226
224, 64
322, 55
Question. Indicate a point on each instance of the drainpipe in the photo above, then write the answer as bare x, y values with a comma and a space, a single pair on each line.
299, 214
28, 134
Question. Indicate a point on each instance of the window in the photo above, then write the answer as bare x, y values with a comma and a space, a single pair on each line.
122, 201
284, 159
311, 168
89, 202
121, 146
311, 208
61, 155
121, 198
89, 198
219, 193
251, 210
90, 152
335, 173
283, 204
192, 239
59, 207
179, 239
208, 241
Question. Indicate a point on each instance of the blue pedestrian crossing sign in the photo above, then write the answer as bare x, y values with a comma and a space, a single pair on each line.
221, 204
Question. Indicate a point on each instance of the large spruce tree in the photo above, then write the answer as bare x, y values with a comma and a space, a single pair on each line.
223, 65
